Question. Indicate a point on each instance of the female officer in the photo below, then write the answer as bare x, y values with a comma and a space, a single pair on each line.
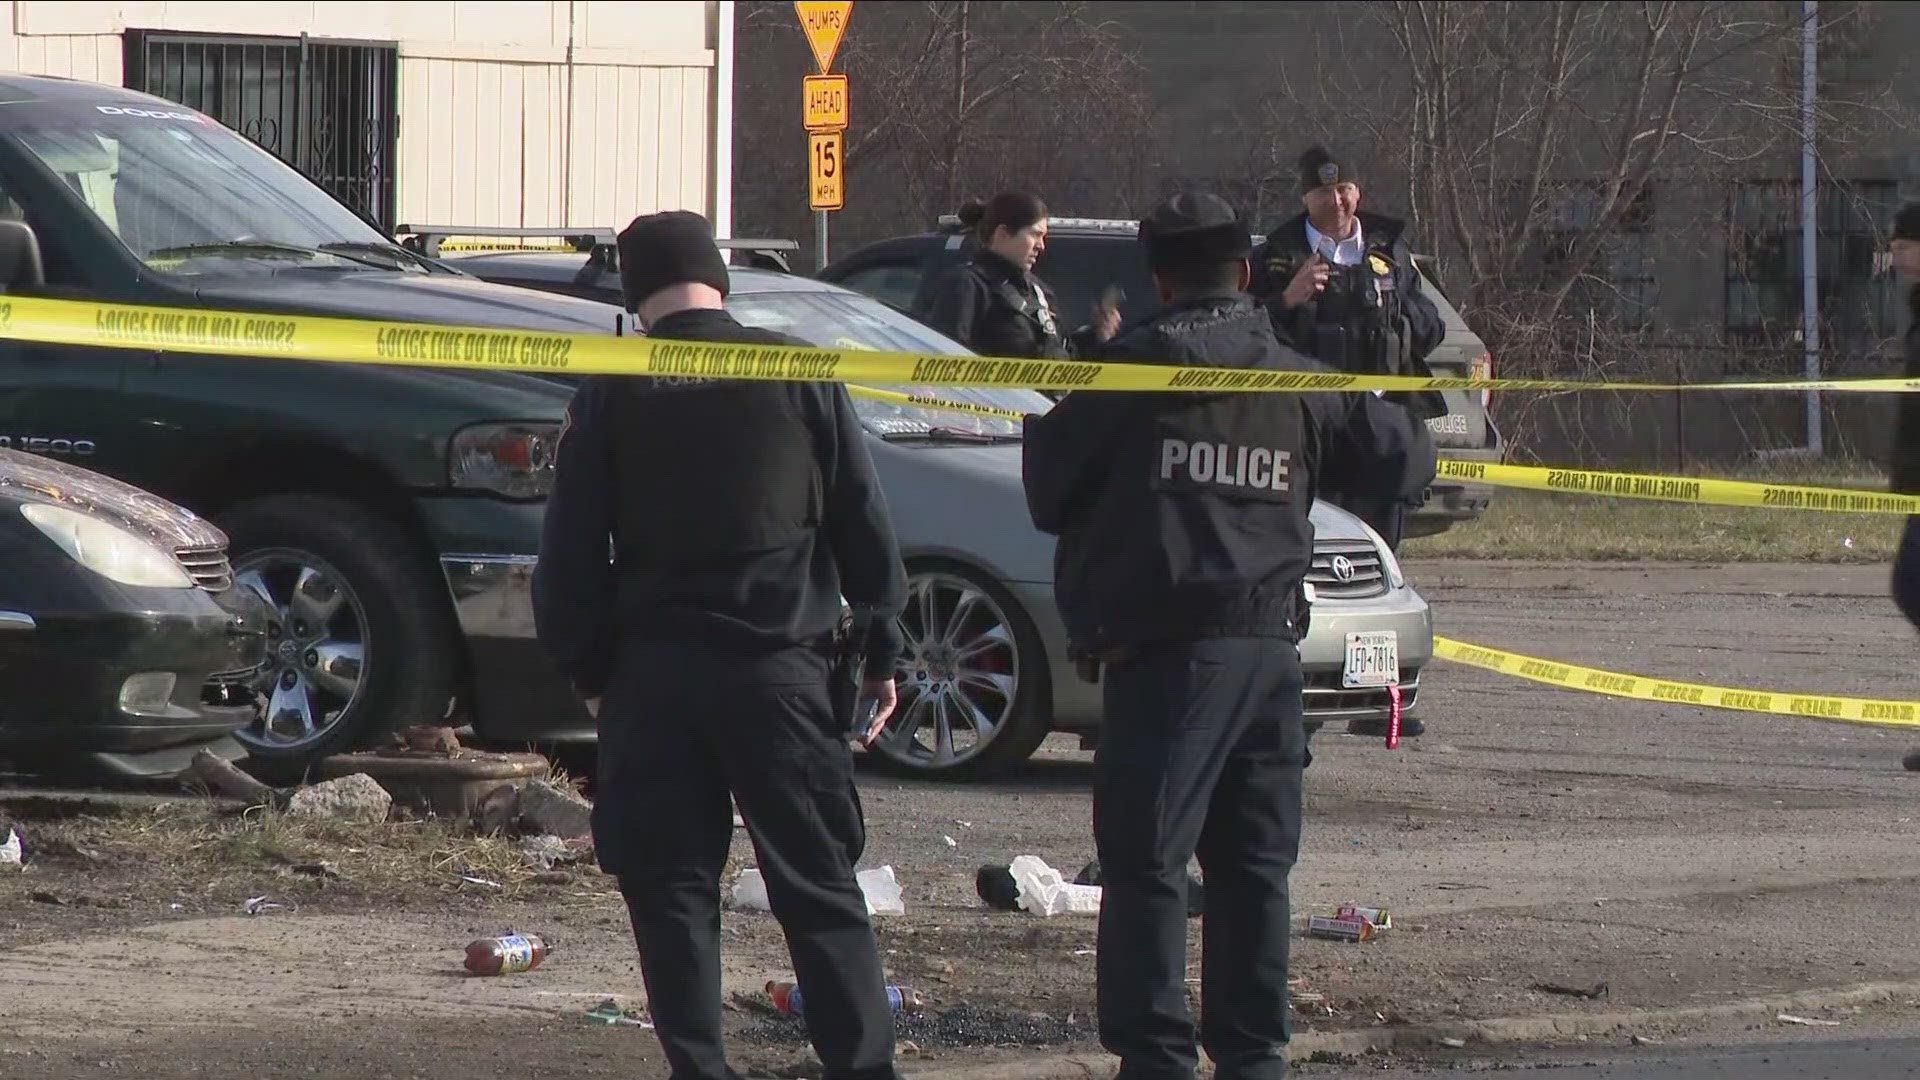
993, 304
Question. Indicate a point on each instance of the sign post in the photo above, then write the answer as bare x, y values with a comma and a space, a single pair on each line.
824, 111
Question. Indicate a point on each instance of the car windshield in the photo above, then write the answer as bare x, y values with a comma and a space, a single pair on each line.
191, 197
844, 320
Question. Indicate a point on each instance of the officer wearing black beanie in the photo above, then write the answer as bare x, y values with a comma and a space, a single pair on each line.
739, 513
1184, 540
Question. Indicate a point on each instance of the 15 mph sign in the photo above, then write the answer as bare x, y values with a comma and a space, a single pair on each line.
826, 186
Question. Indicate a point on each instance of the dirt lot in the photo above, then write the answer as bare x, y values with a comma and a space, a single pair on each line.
1532, 837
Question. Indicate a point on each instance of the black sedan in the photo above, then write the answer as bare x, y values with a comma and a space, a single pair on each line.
124, 645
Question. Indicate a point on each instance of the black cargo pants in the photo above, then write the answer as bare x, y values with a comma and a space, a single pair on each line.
1201, 752
680, 729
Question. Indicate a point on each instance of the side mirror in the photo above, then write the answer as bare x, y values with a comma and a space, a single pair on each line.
19, 257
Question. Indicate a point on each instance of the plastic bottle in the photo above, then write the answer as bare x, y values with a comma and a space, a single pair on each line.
506, 955
786, 998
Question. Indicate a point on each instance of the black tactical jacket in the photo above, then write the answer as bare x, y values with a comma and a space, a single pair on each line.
738, 512
1372, 318
1184, 515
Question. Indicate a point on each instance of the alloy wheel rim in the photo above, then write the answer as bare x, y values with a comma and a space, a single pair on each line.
317, 640
959, 674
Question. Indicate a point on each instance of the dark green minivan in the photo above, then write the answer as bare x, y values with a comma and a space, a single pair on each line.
389, 516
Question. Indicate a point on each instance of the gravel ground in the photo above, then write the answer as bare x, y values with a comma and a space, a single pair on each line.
1532, 838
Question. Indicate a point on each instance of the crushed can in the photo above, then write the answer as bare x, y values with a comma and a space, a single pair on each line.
1379, 917
1335, 929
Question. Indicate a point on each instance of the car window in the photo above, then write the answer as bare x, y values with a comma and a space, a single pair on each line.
63, 276
843, 320
189, 196
891, 283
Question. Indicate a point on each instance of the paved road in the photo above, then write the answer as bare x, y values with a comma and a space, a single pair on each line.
1892, 1058
1540, 837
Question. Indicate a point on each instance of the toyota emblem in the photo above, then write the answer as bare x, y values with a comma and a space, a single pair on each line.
1342, 568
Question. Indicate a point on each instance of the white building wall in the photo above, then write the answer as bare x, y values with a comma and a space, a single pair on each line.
522, 113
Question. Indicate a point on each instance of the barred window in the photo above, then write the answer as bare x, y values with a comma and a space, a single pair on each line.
327, 108
1619, 288
1763, 274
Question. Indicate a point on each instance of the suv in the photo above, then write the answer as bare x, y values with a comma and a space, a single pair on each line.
390, 516
1086, 255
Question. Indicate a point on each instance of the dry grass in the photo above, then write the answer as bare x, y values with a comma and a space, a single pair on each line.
207, 857
1532, 525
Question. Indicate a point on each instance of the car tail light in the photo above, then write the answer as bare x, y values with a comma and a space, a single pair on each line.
1482, 368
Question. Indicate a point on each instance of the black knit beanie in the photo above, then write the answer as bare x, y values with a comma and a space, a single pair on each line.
670, 248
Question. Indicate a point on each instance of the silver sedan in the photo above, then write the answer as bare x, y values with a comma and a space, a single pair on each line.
985, 676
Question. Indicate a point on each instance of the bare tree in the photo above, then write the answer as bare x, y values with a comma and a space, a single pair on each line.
1537, 143
1530, 134
951, 98
967, 96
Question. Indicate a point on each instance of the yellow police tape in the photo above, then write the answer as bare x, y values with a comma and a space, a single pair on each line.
1685, 489
1703, 491
1644, 688
331, 339
930, 402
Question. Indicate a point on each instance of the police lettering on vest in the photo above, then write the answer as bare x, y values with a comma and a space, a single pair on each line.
1240, 447
1256, 468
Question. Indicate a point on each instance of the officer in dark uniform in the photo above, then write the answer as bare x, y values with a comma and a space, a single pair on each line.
994, 304
1341, 287
1184, 538
739, 513
1904, 475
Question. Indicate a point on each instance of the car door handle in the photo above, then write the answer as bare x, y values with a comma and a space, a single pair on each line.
16, 620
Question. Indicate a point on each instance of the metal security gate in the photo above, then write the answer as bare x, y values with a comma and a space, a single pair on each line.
325, 107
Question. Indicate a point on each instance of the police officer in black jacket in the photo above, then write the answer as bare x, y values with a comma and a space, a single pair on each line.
739, 512
1184, 538
1904, 474
1341, 286
994, 304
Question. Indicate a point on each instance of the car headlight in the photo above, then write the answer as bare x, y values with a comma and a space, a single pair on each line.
107, 549
510, 459
1387, 560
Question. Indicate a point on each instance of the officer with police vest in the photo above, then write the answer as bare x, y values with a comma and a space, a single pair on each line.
1184, 538
1341, 286
739, 513
994, 304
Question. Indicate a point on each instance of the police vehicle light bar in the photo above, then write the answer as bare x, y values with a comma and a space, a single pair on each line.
951, 222
426, 239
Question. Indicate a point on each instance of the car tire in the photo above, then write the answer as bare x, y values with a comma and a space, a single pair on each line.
1009, 647
366, 640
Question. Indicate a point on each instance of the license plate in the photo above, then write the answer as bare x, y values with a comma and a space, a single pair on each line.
1373, 660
